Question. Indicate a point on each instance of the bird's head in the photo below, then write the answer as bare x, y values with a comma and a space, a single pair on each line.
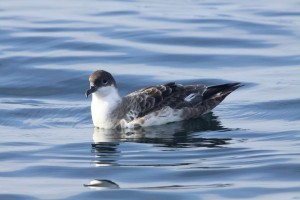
101, 83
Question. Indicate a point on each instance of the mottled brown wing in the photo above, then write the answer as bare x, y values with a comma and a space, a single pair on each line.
153, 98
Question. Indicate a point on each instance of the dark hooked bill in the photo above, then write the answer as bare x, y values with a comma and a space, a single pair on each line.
90, 91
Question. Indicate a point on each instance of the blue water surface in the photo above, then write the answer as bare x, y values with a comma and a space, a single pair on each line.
247, 148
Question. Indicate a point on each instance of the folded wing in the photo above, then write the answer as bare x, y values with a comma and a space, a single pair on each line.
151, 99
193, 100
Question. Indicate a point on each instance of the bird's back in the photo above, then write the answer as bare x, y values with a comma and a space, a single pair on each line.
169, 102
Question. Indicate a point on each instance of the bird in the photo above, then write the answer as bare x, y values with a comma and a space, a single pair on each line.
153, 105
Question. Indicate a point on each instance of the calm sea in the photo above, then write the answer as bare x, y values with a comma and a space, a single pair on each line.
247, 148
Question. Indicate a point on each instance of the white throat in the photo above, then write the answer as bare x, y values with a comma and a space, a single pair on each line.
105, 100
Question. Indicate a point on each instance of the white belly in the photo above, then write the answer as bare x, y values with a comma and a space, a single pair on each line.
164, 116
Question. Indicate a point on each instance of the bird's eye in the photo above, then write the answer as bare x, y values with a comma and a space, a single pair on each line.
104, 81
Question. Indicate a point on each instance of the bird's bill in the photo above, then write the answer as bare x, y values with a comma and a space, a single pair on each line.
90, 91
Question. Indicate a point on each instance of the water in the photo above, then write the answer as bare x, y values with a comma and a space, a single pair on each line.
248, 148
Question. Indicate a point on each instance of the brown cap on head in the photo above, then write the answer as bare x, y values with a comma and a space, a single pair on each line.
100, 78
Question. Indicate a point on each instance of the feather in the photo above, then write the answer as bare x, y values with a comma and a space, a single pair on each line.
154, 98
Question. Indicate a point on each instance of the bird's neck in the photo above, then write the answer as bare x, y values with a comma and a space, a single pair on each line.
105, 100
107, 95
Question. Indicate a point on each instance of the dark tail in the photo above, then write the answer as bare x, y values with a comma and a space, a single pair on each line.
220, 90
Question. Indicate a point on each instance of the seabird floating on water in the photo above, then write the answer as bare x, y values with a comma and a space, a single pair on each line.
154, 105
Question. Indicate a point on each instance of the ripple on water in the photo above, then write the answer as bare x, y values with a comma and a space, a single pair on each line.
248, 148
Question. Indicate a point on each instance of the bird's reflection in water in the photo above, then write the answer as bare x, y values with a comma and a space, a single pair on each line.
179, 134
174, 135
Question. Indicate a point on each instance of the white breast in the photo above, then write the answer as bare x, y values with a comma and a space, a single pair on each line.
104, 101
